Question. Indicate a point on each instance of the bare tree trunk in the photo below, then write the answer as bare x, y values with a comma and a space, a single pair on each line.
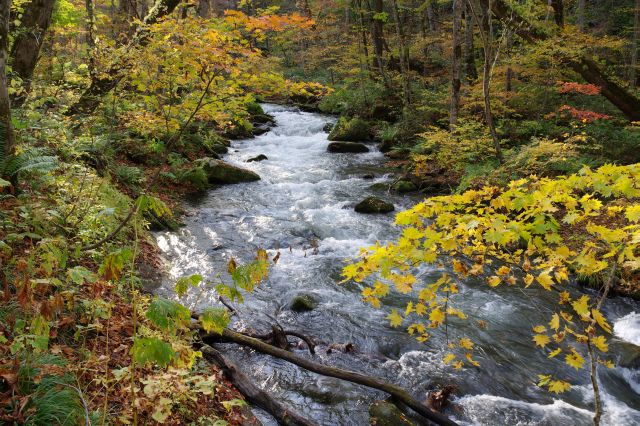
431, 17
6, 132
581, 7
509, 76
30, 36
404, 56
204, 8
486, 26
558, 12
633, 71
377, 36
456, 59
471, 73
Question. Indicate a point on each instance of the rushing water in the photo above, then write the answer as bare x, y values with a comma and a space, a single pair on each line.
303, 208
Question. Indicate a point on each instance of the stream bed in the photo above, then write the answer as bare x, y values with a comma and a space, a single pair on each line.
303, 208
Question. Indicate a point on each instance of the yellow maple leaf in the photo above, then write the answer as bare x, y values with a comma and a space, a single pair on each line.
493, 281
600, 342
545, 280
555, 322
394, 318
541, 340
471, 360
601, 320
558, 386
581, 306
448, 358
574, 359
555, 353
466, 343
528, 279
436, 317
539, 329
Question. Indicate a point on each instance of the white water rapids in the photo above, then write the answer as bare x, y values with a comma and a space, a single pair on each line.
303, 207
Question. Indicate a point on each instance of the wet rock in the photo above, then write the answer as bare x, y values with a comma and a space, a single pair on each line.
218, 148
223, 173
380, 186
303, 303
260, 157
368, 176
405, 186
352, 147
383, 413
397, 154
327, 127
353, 130
261, 129
374, 205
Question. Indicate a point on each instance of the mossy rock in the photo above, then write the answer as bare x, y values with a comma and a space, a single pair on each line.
218, 148
374, 205
347, 147
219, 172
161, 223
354, 130
405, 186
383, 413
379, 186
303, 303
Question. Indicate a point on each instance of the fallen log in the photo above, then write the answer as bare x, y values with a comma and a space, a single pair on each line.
253, 393
351, 376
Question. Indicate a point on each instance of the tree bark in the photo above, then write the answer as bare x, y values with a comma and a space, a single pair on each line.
581, 20
633, 71
404, 57
351, 376
585, 66
456, 58
431, 17
251, 392
204, 8
558, 12
30, 36
6, 131
471, 73
100, 86
377, 38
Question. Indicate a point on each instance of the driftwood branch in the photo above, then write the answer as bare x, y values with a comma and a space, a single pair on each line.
251, 392
351, 376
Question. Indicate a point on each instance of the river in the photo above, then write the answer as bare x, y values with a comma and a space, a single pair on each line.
303, 208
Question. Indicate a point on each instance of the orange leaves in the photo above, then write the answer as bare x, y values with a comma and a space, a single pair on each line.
585, 89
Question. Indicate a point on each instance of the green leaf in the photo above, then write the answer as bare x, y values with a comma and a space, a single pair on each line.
150, 349
168, 314
215, 319
182, 285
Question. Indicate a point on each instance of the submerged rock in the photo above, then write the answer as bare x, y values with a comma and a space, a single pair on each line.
405, 186
353, 147
374, 205
383, 413
368, 176
260, 157
303, 303
223, 173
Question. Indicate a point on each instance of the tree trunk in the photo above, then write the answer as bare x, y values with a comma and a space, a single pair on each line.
431, 17
580, 20
622, 99
26, 47
633, 71
485, 23
404, 57
377, 37
509, 75
558, 12
456, 57
100, 86
204, 8
6, 132
471, 73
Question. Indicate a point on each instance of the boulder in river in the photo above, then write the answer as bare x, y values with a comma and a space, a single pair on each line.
384, 413
260, 157
405, 186
303, 302
374, 205
223, 173
354, 130
353, 147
